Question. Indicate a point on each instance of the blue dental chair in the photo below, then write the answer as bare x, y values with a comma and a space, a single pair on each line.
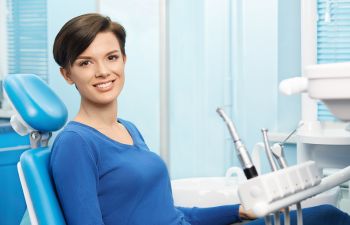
38, 112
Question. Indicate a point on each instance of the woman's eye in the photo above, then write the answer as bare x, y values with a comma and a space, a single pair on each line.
113, 57
84, 63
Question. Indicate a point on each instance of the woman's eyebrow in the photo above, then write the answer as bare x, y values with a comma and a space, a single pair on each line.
89, 57
84, 57
114, 51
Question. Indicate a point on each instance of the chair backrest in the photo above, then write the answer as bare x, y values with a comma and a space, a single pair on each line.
38, 112
39, 192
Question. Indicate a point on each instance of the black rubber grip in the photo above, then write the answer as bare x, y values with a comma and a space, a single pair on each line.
250, 172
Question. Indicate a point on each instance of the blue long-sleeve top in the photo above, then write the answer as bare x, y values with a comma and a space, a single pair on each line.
101, 181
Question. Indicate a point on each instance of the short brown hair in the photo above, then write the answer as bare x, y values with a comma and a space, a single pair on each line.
78, 33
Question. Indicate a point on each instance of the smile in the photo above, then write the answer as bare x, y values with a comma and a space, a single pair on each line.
104, 86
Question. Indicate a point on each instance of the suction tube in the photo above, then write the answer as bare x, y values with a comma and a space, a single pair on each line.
242, 153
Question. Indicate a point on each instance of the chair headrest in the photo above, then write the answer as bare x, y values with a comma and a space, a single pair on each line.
36, 105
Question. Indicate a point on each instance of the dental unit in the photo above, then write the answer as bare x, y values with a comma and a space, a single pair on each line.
283, 187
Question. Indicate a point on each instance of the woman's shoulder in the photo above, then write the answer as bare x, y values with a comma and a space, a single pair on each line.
77, 135
72, 130
73, 139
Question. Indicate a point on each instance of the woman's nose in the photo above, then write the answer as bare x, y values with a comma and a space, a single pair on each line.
102, 70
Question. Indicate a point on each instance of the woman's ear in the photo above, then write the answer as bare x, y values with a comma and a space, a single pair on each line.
124, 59
66, 75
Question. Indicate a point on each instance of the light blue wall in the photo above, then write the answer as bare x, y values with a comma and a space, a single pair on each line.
289, 61
200, 81
267, 49
232, 54
255, 85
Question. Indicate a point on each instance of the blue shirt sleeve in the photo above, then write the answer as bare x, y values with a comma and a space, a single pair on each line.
220, 215
75, 174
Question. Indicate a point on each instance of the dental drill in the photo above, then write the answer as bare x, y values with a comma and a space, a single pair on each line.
242, 153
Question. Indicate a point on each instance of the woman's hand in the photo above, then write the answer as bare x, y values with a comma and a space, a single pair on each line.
246, 214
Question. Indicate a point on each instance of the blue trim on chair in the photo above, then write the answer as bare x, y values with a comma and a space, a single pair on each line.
35, 166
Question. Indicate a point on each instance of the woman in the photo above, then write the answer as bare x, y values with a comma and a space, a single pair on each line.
103, 171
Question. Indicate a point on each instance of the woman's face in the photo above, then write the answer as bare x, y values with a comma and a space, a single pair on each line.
98, 72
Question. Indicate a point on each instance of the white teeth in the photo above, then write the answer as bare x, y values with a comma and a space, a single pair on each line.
104, 85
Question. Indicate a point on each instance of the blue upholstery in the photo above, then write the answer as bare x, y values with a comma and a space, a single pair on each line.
37, 104
39, 108
35, 167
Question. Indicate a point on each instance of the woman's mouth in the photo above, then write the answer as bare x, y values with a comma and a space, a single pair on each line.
104, 86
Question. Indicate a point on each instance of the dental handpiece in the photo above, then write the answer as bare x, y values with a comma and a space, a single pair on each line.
277, 151
273, 165
277, 148
242, 153
268, 150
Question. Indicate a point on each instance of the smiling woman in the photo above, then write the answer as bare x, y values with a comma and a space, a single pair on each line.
101, 166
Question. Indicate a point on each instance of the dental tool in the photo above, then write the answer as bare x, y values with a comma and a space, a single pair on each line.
277, 148
268, 151
242, 153
278, 153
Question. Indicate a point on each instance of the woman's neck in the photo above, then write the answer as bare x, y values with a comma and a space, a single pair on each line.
97, 116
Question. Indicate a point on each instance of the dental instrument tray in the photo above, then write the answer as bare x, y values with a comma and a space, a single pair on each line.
259, 192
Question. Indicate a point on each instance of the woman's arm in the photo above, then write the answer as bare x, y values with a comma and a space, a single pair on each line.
75, 176
219, 215
246, 214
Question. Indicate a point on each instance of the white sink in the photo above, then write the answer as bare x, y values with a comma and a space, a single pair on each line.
208, 191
